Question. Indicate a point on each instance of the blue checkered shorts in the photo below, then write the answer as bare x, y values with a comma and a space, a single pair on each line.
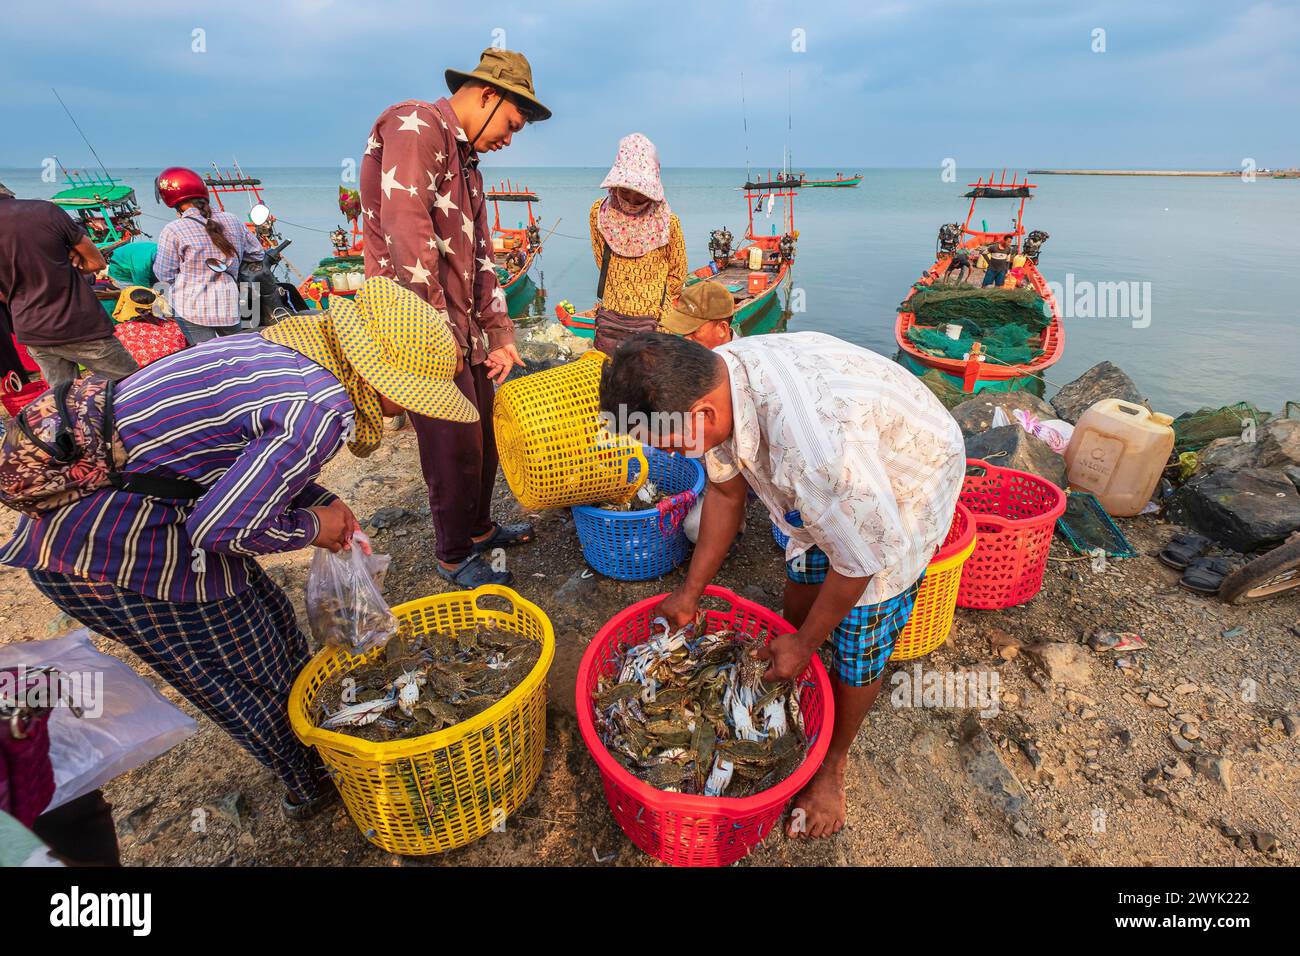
862, 642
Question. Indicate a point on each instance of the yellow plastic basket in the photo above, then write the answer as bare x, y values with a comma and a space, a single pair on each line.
936, 600
440, 791
554, 449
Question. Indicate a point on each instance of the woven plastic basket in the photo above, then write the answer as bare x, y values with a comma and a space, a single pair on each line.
685, 829
555, 451
650, 542
1015, 513
936, 599
440, 791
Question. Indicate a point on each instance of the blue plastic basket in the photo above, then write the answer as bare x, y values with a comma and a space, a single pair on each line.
793, 519
637, 545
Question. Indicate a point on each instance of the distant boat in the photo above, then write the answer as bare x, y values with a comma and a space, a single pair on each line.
514, 250
222, 183
976, 373
839, 180
105, 208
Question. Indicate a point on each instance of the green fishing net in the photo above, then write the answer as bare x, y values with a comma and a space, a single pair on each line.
1007, 344
984, 309
1194, 430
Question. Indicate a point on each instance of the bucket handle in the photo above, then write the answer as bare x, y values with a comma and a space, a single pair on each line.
495, 590
639, 456
979, 468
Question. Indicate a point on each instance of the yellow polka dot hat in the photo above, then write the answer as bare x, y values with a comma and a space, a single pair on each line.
403, 348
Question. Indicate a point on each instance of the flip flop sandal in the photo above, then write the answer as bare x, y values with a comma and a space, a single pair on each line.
506, 536
300, 810
1205, 575
474, 572
1182, 550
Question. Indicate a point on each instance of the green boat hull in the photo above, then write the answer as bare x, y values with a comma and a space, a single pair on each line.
520, 295
1026, 383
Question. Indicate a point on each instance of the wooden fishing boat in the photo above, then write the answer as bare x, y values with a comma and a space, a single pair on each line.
514, 249
979, 372
755, 291
226, 183
839, 180
104, 207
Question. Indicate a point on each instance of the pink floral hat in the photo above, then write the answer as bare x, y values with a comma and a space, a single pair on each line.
636, 167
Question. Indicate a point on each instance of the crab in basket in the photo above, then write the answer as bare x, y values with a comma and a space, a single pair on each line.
691, 714
421, 684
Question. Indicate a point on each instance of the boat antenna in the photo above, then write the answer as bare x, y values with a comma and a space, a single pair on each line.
789, 125
79, 130
749, 177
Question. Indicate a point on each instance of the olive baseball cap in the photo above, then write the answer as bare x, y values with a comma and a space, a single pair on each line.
699, 303
506, 70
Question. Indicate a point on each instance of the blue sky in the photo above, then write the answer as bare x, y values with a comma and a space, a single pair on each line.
299, 82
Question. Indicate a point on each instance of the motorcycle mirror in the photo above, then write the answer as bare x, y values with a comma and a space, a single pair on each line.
259, 214
216, 265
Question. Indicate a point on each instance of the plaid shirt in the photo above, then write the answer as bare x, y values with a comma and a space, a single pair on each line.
253, 422
426, 221
196, 293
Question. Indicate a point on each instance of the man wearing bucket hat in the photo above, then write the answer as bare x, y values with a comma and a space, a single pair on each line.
426, 227
860, 447
250, 420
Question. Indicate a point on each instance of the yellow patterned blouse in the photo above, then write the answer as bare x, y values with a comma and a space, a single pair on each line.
646, 285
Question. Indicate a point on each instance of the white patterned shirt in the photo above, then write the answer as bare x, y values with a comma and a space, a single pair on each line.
854, 442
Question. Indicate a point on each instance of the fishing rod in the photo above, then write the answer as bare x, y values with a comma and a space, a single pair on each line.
84, 138
744, 118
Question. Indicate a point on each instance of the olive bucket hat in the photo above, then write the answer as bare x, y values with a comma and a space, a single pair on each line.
698, 304
507, 71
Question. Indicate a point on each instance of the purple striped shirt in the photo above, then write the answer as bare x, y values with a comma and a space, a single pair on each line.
254, 422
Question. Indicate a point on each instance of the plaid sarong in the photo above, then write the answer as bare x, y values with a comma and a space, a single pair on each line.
234, 659
862, 642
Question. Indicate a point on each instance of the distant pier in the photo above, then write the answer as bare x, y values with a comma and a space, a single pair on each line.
1263, 173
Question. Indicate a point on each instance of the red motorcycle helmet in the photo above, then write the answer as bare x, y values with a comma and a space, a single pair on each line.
175, 184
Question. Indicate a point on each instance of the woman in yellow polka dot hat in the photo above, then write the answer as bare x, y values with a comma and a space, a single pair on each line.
392, 351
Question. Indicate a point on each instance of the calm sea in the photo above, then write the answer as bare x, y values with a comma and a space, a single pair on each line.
1211, 265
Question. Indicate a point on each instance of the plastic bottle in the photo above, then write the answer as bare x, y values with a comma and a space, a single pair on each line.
1118, 452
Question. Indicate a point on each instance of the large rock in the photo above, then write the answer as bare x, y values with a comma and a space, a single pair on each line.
1276, 444
1012, 447
1246, 510
1232, 454
1101, 381
976, 415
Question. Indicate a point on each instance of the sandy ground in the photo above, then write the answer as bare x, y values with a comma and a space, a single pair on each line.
1107, 784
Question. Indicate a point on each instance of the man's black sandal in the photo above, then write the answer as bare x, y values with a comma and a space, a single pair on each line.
506, 536
474, 572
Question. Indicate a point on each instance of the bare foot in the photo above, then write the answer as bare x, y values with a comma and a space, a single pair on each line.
821, 808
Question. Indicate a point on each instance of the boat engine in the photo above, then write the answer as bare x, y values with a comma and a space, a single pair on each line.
1034, 244
339, 238
949, 236
785, 248
720, 246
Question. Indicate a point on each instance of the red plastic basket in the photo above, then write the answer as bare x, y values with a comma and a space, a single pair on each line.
685, 829
1014, 513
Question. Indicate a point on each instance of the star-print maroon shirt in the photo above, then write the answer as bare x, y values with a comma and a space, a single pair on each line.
426, 221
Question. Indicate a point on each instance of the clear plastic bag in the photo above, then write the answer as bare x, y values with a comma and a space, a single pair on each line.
125, 722
345, 600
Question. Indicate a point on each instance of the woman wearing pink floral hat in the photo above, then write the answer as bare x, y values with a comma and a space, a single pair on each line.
638, 245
